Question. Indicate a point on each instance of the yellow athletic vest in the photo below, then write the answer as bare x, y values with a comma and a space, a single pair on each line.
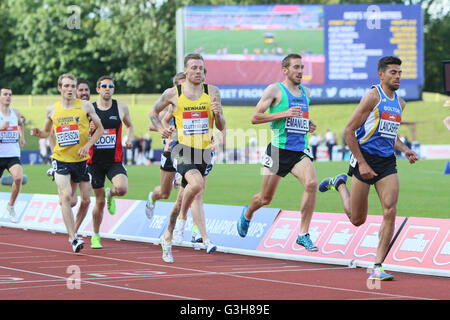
71, 128
194, 119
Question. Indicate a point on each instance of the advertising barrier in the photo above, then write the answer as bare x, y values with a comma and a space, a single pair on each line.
422, 246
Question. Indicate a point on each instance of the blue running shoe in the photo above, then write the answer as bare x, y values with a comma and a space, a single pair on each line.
243, 224
379, 274
306, 242
331, 183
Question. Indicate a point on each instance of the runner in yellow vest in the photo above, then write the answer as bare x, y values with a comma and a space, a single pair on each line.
69, 120
196, 106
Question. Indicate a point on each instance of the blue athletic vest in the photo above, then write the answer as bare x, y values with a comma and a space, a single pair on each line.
378, 133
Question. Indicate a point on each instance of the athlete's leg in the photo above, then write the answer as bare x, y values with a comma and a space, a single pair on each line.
304, 171
120, 185
168, 235
355, 203
97, 212
198, 212
388, 190
194, 186
268, 187
65, 196
165, 187
17, 175
85, 195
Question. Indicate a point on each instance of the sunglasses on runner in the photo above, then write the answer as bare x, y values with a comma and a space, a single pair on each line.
111, 86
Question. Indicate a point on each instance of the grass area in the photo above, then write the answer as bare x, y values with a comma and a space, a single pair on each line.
237, 40
423, 187
428, 112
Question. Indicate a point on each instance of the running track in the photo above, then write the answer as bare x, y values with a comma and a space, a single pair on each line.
38, 265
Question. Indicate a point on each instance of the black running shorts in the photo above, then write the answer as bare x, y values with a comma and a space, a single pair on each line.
99, 171
77, 170
383, 166
281, 161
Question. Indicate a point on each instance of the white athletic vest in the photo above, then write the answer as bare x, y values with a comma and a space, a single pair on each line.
9, 137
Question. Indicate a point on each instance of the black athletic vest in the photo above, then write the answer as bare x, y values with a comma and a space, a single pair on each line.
108, 148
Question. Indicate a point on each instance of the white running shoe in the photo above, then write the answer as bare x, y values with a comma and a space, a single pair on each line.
167, 250
210, 247
11, 213
178, 231
77, 244
149, 206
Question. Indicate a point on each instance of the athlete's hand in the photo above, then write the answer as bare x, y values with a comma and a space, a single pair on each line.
167, 147
83, 152
129, 143
215, 106
312, 126
366, 171
293, 112
35, 131
411, 156
166, 132
92, 126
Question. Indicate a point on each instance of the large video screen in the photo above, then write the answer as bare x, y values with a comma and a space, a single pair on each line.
243, 46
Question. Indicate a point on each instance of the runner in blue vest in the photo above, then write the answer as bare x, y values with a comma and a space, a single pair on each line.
288, 105
371, 135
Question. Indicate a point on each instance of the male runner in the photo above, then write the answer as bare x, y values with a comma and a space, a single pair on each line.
11, 139
167, 171
288, 104
107, 154
69, 119
376, 121
197, 105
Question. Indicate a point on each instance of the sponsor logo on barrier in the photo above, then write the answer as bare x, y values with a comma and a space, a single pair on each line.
415, 243
368, 243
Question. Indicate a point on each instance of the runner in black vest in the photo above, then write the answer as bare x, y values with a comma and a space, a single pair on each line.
107, 154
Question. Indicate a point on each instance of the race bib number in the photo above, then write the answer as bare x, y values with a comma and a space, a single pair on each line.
9, 135
107, 140
389, 125
267, 160
67, 135
299, 124
195, 122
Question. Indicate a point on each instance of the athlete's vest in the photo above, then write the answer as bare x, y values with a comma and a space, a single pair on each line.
194, 119
108, 148
71, 127
9, 137
291, 133
378, 133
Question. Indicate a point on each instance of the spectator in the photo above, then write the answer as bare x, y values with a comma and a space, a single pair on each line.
315, 141
330, 140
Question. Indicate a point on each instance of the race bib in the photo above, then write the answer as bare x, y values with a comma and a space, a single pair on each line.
107, 140
195, 122
389, 125
353, 161
67, 135
9, 135
299, 124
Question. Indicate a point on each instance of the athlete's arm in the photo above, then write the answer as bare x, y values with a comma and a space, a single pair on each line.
20, 124
34, 131
90, 112
124, 113
399, 145
366, 105
271, 96
163, 102
312, 125
216, 107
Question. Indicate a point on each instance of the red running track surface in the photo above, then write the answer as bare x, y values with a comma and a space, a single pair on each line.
41, 266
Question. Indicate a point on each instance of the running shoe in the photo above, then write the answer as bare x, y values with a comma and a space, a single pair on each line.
77, 244
379, 274
167, 250
149, 206
95, 242
331, 183
210, 247
243, 224
11, 213
178, 231
305, 240
196, 235
110, 202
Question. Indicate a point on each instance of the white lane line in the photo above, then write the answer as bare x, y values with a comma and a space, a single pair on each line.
103, 284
